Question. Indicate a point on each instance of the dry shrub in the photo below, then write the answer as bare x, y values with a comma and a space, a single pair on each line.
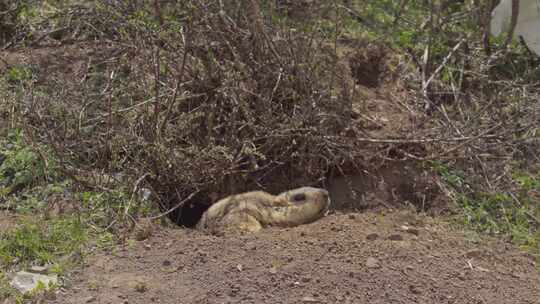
200, 98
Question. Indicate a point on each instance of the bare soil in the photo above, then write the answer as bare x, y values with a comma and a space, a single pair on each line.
342, 258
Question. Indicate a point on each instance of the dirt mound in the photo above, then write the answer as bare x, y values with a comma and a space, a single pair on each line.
354, 258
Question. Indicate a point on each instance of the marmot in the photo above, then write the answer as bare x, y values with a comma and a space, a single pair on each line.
251, 211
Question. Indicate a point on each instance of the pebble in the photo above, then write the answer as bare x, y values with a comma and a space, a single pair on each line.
310, 300
26, 281
39, 269
372, 236
305, 279
410, 230
396, 237
372, 263
415, 289
475, 253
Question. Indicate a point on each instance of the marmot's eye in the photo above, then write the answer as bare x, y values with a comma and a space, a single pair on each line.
298, 197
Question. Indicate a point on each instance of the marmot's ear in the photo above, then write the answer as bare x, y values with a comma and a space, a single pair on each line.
281, 201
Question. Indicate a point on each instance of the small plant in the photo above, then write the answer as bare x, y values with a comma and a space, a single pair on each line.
19, 74
453, 178
140, 287
93, 285
41, 292
41, 242
22, 167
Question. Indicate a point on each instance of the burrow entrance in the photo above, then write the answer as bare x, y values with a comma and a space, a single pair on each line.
394, 185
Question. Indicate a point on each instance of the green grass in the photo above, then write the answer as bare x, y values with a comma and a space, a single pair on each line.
513, 214
42, 242
29, 181
30, 184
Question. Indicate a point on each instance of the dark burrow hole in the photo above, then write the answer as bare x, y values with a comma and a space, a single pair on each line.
367, 65
188, 215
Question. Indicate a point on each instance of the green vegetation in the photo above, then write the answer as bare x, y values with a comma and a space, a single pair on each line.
514, 213
32, 186
24, 168
52, 228
42, 242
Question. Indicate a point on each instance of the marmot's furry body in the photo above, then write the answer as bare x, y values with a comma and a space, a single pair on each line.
251, 211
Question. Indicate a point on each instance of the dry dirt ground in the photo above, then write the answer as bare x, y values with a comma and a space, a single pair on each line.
342, 258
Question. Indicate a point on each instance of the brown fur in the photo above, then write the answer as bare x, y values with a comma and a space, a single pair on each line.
252, 211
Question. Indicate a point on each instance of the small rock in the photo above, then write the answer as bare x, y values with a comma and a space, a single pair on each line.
27, 281
475, 253
89, 299
515, 275
147, 246
166, 263
310, 300
415, 289
414, 231
39, 269
305, 279
482, 269
372, 236
372, 263
273, 270
410, 230
396, 237
352, 216
239, 267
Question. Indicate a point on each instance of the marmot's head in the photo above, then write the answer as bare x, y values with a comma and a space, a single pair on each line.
317, 198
